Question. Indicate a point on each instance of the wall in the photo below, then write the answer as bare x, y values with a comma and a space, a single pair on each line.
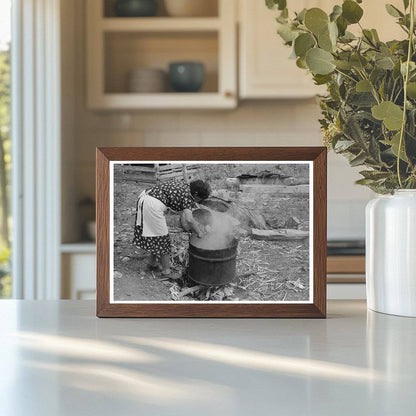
265, 123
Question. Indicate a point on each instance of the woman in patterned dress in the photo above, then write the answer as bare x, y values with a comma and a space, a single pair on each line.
151, 231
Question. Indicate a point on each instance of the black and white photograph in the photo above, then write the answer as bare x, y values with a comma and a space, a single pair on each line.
219, 232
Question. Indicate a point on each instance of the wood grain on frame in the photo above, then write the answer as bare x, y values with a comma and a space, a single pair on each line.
317, 309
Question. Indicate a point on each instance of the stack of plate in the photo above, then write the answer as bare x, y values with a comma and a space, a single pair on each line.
147, 80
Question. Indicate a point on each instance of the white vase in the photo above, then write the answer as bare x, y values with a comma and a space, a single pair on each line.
391, 253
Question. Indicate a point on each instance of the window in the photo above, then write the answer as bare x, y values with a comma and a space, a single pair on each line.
5, 144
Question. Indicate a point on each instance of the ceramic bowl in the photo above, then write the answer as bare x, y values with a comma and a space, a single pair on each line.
186, 76
136, 8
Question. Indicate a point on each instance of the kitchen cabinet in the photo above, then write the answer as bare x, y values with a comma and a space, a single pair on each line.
265, 70
78, 263
116, 46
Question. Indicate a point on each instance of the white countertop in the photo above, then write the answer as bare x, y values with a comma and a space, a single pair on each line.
58, 359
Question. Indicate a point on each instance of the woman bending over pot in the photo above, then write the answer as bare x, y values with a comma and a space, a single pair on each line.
151, 231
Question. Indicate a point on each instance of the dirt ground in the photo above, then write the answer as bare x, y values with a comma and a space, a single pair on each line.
266, 270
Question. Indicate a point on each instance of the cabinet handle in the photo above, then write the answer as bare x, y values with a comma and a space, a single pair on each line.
228, 94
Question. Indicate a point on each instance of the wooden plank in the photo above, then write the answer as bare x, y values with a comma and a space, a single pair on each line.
346, 264
272, 188
280, 234
140, 169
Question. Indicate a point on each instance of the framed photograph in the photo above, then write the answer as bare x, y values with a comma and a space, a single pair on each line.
211, 232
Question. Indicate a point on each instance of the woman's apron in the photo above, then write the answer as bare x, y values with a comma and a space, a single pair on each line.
151, 216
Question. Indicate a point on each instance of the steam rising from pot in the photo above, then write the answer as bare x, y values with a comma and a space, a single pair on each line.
220, 229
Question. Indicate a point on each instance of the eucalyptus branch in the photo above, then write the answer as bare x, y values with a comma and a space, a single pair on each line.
398, 95
345, 75
392, 90
369, 41
373, 89
405, 81
378, 122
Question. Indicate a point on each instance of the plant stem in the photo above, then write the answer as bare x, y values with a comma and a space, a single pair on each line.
405, 81
345, 75
373, 89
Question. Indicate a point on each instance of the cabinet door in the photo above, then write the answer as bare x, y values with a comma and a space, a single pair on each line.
78, 276
376, 17
265, 68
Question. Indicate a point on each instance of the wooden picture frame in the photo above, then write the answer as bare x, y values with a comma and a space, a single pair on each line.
314, 308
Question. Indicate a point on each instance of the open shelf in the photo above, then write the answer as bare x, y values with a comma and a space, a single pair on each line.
160, 24
211, 9
116, 46
130, 101
127, 51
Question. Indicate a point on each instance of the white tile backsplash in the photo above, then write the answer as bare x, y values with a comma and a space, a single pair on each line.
346, 219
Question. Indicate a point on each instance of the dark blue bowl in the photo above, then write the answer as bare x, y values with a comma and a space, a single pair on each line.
186, 76
136, 8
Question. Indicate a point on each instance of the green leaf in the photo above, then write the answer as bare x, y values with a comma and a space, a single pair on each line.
368, 36
406, 4
363, 86
377, 75
364, 181
351, 11
316, 20
411, 90
336, 12
343, 145
391, 114
276, 4
303, 43
327, 40
333, 32
374, 150
385, 63
301, 15
375, 35
283, 17
393, 11
342, 25
361, 99
353, 130
358, 61
286, 32
301, 63
325, 43
374, 175
358, 160
343, 65
394, 145
348, 37
319, 61
396, 71
412, 67
321, 79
